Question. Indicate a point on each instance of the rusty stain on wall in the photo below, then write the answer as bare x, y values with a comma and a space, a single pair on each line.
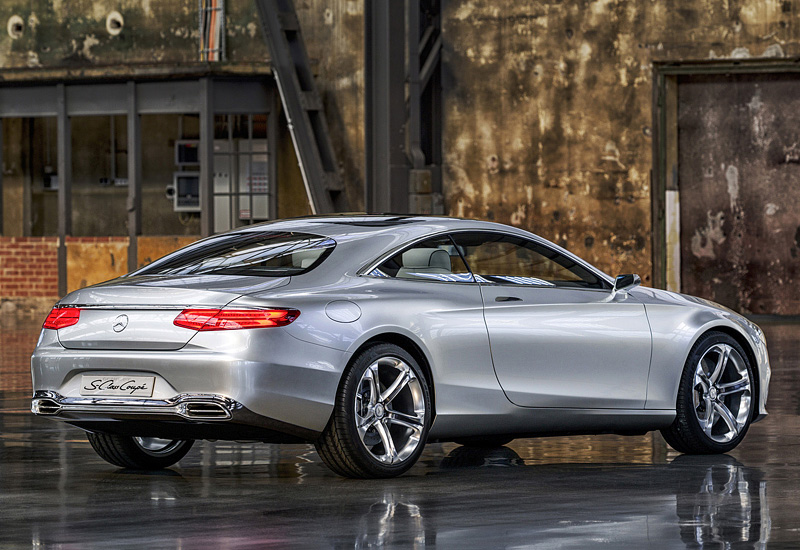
93, 260
151, 248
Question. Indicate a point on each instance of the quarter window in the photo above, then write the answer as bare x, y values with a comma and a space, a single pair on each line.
435, 259
262, 253
507, 259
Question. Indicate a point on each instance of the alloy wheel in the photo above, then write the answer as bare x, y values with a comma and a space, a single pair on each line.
722, 393
390, 410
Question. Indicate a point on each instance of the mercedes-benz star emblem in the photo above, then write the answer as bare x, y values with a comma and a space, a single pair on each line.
120, 323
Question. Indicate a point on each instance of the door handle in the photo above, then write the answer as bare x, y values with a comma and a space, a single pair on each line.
507, 299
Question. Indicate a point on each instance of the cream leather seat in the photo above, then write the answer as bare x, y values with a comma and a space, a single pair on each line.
431, 261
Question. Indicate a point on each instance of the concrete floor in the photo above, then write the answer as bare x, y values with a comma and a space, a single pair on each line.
565, 493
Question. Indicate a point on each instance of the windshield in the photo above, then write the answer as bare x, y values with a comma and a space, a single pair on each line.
265, 254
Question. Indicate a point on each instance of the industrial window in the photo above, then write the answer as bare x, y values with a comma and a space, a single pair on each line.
242, 191
30, 179
99, 176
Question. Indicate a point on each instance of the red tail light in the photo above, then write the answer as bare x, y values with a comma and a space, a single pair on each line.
62, 317
234, 319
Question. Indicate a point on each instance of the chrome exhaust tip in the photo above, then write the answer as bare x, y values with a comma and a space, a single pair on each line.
46, 407
205, 410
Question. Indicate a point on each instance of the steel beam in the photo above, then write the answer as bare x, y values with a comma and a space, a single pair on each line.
273, 116
206, 157
134, 178
2, 230
387, 166
64, 184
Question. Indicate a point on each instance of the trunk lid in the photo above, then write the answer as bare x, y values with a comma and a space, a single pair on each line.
137, 313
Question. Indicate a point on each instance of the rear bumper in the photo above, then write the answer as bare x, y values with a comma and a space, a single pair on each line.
186, 416
265, 373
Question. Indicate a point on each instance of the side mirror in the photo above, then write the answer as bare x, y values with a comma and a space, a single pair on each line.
626, 282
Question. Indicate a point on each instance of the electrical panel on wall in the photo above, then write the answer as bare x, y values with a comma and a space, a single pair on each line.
187, 191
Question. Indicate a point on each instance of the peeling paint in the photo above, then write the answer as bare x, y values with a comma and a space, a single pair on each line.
704, 238
732, 177
774, 50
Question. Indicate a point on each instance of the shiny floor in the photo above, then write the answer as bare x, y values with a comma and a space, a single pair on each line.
565, 493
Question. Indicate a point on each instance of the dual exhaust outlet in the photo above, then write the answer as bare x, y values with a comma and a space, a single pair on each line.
192, 408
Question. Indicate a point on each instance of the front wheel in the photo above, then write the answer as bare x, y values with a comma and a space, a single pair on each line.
139, 453
715, 398
380, 418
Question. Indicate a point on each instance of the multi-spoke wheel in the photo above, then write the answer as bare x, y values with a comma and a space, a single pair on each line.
381, 416
140, 453
715, 398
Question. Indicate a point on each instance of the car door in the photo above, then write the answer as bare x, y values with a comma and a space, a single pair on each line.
559, 337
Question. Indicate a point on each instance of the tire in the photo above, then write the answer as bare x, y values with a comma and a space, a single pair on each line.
139, 453
488, 442
717, 377
392, 430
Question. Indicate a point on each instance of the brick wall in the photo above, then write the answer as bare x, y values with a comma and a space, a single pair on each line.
28, 267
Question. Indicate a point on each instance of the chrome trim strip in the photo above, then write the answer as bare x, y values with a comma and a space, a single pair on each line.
175, 406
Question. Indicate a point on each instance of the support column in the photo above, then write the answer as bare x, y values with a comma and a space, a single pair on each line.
273, 120
1, 178
387, 167
207, 157
64, 135
134, 178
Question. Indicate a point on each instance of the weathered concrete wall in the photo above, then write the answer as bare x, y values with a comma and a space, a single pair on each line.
548, 108
73, 33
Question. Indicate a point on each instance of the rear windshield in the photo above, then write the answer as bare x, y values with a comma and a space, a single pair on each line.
264, 254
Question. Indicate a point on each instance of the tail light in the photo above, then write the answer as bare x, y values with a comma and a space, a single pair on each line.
234, 319
62, 317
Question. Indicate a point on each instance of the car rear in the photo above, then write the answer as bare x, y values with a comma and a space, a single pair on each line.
181, 349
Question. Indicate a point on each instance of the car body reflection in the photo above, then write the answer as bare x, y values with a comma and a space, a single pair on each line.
719, 503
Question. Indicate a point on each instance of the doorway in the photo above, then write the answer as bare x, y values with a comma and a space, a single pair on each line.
730, 176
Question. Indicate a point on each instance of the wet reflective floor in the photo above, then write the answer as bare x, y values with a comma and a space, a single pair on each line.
572, 492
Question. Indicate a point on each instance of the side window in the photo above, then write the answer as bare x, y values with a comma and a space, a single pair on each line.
507, 259
436, 259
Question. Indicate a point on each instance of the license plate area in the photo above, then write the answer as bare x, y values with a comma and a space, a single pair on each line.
128, 386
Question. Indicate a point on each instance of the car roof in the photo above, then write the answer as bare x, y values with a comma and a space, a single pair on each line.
375, 234
359, 224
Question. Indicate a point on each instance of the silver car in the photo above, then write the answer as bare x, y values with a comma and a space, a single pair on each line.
371, 335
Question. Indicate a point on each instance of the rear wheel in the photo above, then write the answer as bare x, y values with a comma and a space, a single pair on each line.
139, 453
381, 416
715, 398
